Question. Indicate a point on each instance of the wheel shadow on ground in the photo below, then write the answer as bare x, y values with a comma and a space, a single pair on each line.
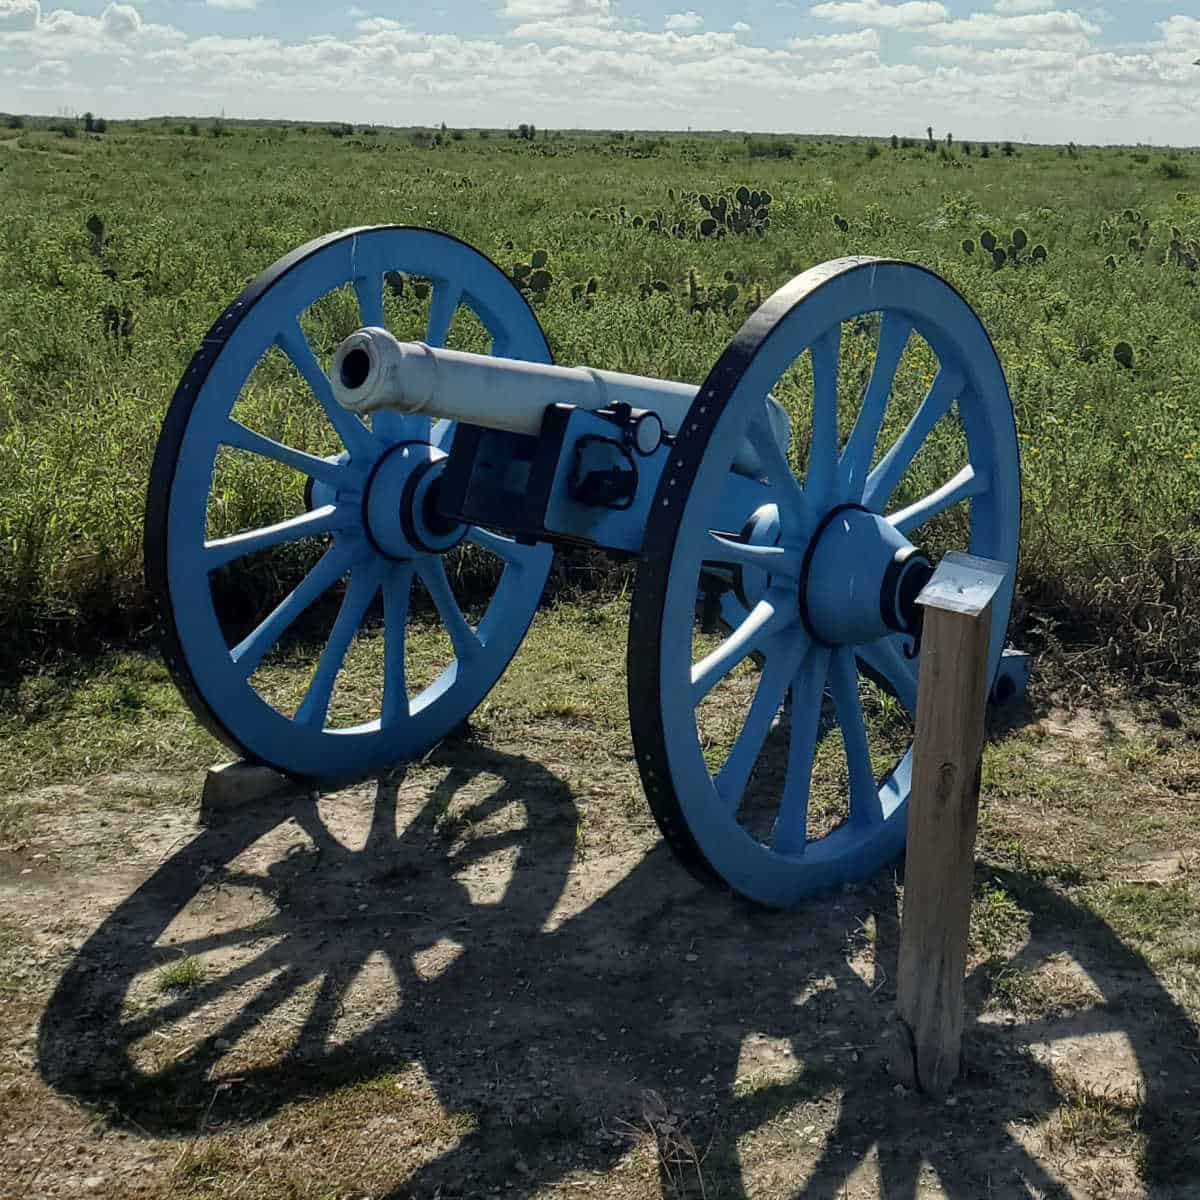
577, 1010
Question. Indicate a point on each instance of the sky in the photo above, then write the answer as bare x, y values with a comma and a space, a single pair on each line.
1028, 70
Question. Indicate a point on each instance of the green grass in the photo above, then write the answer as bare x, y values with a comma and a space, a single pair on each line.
998, 921
1088, 1118
181, 976
99, 329
1147, 912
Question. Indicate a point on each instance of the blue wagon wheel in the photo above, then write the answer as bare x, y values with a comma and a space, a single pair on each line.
827, 574
366, 508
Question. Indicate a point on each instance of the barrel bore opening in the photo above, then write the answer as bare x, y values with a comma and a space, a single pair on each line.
355, 368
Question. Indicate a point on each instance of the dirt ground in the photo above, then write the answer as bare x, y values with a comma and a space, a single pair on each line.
486, 976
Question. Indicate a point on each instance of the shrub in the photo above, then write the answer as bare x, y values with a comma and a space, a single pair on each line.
1170, 170
16, 122
770, 148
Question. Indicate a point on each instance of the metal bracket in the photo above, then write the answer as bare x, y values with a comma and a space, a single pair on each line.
1012, 678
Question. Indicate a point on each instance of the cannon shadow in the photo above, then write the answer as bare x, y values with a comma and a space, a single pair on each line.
575, 1010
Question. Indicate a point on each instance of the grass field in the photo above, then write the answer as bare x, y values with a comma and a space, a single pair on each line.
484, 974
100, 317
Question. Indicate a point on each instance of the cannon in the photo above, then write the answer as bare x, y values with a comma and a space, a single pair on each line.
777, 531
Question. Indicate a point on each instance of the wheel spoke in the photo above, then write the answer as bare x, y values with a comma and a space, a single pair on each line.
396, 590
396, 427
775, 560
503, 547
767, 618
503, 344
250, 652
761, 436
865, 808
886, 658
364, 583
894, 333
368, 287
219, 553
823, 452
808, 686
238, 436
776, 676
446, 299
882, 481
349, 428
463, 638
963, 486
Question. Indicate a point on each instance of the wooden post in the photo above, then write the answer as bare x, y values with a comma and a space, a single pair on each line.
943, 812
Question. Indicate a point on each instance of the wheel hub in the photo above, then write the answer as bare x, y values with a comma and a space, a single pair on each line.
860, 580
764, 528
400, 503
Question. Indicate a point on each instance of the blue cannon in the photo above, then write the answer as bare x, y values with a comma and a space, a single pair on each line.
811, 576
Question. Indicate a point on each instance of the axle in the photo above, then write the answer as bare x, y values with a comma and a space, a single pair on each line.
372, 370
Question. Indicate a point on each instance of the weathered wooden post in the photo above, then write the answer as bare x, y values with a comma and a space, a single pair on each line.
942, 817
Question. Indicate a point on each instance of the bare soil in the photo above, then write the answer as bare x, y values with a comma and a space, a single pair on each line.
486, 976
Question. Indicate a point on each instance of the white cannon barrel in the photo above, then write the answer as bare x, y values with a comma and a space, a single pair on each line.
372, 370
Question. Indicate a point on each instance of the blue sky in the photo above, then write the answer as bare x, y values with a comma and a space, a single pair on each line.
1023, 69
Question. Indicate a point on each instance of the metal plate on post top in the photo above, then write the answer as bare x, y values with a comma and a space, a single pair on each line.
963, 583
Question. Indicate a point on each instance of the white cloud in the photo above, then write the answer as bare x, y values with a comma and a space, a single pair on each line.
19, 16
1181, 29
543, 10
999, 59
861, 39
236, 4
914, 14
120, 20
1005, 74
378, 25
65, 23
740, 27
1010, 7
684, 20
988, 27
668, 44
